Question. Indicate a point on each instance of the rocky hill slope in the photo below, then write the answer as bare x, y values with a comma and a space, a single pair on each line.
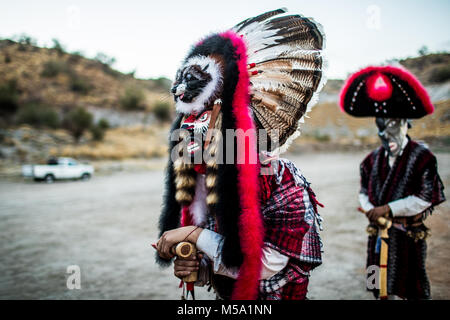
63, 81
48, 83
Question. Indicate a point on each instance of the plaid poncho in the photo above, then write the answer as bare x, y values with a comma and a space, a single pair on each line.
413, 173
291, 223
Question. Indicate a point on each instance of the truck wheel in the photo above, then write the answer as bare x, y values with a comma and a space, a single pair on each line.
49, 178
85, 177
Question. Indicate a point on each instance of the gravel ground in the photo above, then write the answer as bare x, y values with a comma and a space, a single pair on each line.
105, 226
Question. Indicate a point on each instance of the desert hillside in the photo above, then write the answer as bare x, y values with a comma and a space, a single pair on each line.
55, 103
61, 79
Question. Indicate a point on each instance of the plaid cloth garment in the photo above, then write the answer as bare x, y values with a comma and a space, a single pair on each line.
291, 225
291, 221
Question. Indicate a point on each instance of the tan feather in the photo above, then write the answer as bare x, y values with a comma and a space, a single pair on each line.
288, 70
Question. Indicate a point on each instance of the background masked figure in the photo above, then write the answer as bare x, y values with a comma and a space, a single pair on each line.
399, 180
255, 217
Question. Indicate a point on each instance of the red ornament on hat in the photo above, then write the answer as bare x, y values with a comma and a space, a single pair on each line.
379, 87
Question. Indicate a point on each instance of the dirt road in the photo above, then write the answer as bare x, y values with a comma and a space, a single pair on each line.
105, 226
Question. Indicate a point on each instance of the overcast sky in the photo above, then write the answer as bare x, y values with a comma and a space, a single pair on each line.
152, 37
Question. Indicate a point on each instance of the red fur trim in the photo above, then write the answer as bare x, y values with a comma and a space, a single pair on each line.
251, 229
186, 218
403, 74
379, 87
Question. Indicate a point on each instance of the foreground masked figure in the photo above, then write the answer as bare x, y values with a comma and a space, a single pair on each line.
252, 215
399, 180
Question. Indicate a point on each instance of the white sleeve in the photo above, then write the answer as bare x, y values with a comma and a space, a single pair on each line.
409, 206
272, 262
364, 202
211, 244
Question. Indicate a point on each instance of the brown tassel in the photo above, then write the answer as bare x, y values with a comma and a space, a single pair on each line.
215, 112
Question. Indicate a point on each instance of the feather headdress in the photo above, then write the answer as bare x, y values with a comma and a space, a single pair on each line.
286, 64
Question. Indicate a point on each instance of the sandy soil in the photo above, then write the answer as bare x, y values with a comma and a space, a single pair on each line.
106, 225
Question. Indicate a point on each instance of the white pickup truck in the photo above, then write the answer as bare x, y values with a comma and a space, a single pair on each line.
59, 168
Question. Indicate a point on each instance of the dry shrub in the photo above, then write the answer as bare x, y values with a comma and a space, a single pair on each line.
119, 144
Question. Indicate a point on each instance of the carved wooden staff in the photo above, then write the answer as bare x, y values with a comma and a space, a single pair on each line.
185, 250
384, 224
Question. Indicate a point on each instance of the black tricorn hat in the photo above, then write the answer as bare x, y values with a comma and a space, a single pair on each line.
385, 92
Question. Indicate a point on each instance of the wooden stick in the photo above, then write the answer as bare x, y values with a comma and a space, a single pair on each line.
382, 221
185, 250
385, 224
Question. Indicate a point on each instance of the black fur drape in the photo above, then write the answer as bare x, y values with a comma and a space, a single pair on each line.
227, 209
170, 213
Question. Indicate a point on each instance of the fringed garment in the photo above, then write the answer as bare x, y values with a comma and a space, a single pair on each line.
291, 224
414, 172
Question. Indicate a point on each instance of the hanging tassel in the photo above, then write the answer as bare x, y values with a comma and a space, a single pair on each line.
184, 250
215, 112
190, 289
183, 294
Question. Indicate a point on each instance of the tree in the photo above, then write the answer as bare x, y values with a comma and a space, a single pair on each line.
98, 131
162, 111
105, 59
133, 99
58, 47
78, 121
9, 98
423, 51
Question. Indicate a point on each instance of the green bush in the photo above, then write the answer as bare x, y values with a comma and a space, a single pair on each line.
9, 96
26, 40
75, 57
162, 111
106, 63
98, 131
103, 124
79, 84
38, 115
440, 75
77, 122
132, 99
54, 67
